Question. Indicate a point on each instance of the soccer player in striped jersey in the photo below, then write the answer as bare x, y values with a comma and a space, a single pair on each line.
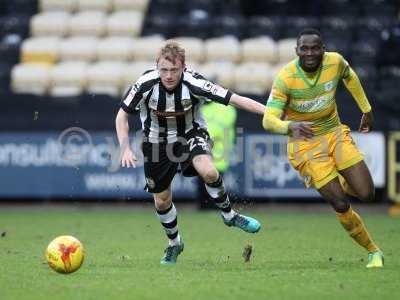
302, 105
175, 138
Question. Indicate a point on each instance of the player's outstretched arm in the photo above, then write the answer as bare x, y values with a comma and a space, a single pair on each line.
128, 158
272, 122
353, 84
247, 104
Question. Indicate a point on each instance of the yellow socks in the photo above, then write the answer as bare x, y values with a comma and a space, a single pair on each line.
352, 222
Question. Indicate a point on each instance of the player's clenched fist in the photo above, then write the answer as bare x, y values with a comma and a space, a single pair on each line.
299, 130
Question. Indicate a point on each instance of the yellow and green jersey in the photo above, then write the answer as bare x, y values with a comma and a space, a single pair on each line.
310, 97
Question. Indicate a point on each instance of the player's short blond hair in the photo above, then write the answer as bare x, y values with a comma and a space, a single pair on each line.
171, 51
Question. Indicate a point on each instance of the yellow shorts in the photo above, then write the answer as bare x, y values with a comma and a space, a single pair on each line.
319, 159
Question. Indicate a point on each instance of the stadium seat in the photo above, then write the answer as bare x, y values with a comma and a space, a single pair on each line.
261, 49
207, 6
368, 76
388, 88
115, 49
123, 5
219, 72
2, 8
10, 48
286, 50
383, 9
79, 49
388, 94
95, 5
50, 24
265, 26
160, 7
68, 79
275, 69
340, 8
227, 7
58, 5
366, 71
30, 79
310, 8
370, 26
5, 69
134, 70
364, 52
293, 25
389, 76
338, 45
337, 27
193, 66
276, 7
125, 23
44, 50
223, 49
252, 8
163, 24
253, 78
106, 78
15, 24
146, 48
89, 23
28, 7
389, 46
196, 24
194, 48
232, 25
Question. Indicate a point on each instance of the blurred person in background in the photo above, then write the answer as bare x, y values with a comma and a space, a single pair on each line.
175, 138
221, 122
320, 147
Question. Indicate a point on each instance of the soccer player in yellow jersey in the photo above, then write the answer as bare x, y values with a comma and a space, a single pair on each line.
302, 105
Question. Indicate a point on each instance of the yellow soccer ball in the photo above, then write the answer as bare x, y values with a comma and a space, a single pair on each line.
65, 254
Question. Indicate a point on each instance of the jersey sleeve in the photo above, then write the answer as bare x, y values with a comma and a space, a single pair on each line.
138, 91
276, 103
353, 84
279, 94
131, 100
344, 67
204, 89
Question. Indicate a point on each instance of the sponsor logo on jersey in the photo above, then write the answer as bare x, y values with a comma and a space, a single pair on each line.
168, 114
311, 105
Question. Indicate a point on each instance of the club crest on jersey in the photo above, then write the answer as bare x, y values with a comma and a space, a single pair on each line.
328, 86
208, 86
153, 103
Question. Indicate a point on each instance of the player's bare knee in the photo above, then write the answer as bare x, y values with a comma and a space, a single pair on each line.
339, 202
162, 200
367, 195
210, 175
341, 206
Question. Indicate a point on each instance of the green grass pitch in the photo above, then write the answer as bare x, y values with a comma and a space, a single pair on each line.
296, 255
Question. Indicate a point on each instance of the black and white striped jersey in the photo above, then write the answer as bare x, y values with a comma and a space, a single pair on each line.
167, 115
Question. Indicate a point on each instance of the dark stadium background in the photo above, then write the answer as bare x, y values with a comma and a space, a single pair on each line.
366, 32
